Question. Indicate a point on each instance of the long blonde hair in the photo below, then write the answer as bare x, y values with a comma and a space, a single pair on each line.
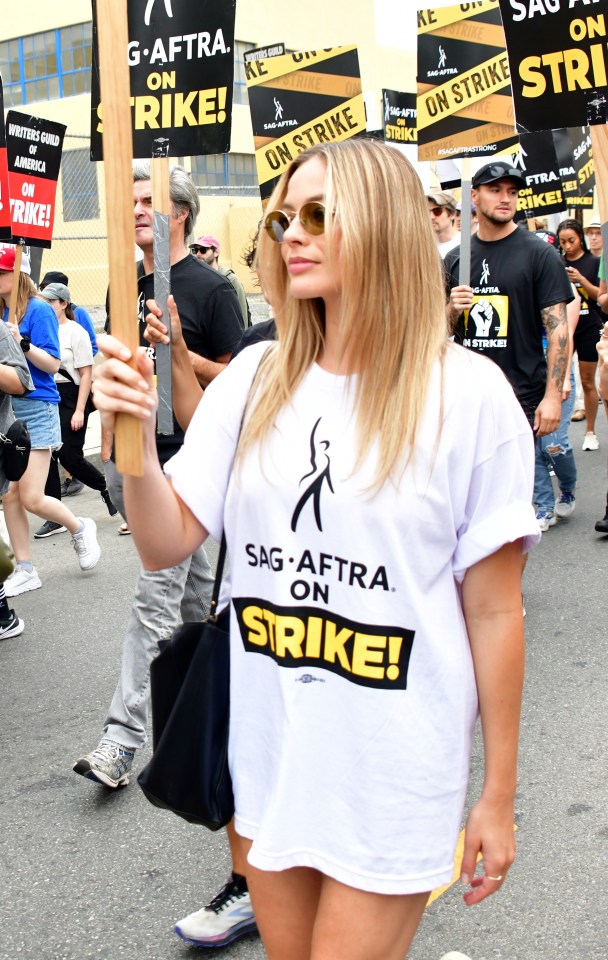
393, 320
25, 292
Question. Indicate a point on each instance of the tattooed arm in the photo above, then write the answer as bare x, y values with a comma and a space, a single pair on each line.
549, 410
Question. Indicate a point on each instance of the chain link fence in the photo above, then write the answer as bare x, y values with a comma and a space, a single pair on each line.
80, 241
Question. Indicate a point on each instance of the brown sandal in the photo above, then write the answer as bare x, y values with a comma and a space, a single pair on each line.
123, 530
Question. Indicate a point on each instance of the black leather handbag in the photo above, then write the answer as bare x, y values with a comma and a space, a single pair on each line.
15, 450
190, 686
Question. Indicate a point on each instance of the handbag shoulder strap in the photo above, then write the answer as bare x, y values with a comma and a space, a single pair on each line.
219, 573
219, 570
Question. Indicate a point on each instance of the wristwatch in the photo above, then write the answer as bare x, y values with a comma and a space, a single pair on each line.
25, 344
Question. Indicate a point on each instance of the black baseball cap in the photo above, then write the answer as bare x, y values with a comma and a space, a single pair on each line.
54, 276
499, 170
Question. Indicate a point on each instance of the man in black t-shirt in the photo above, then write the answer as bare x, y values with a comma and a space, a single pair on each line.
211, 325
518, 290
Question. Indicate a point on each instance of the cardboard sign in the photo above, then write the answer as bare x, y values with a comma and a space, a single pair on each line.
34, 157
5, 210
464, 92
559, 61
299, 100
539, 166
399, 125
181, 59
577, 170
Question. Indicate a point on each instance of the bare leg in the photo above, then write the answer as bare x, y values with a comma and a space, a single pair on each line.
587, 370
239, 857
28, 495
304, 915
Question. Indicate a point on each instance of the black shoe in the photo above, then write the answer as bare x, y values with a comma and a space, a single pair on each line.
602, 525
48, 528
71, 486
105, 496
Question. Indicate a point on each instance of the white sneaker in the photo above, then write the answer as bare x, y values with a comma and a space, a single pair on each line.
455, 955
21, 580
85, 544
545, 520
591, 442
564, 505
228, 917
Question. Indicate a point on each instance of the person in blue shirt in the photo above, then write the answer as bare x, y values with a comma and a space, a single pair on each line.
35, 328
80, 314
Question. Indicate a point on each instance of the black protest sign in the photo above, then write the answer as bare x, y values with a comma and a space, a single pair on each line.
181, 59
539, 166
262, 53
299, 100
34, 157
5, 210
464, 92
399, 111
577, 170
559, 61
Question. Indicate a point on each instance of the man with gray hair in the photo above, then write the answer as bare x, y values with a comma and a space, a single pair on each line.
211, 325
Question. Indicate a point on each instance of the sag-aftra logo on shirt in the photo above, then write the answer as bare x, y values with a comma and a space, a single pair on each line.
375, 656
372, 655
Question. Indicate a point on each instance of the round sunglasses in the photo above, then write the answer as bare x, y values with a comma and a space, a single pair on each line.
311, 216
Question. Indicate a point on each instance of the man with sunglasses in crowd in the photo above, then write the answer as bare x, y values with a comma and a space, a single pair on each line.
442, 208
207, 250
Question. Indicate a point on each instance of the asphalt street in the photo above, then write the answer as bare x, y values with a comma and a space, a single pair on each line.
92, 873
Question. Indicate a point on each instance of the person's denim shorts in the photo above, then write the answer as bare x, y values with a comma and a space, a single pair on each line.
42, 419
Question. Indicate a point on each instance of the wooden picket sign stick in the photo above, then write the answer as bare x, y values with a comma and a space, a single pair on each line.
599, 142
12, 309
113, 34
161, 203
464, 268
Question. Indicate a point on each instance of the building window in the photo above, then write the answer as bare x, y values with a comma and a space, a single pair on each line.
76, 47
79, 186
47, 66
240, 83
242, 170
226, 173
10, 68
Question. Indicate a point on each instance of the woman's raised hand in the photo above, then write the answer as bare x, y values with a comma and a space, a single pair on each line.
123, 387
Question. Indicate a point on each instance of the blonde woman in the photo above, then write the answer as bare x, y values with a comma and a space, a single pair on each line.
375, 513
36, 331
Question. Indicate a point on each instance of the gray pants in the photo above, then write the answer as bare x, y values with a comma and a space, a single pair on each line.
160, 596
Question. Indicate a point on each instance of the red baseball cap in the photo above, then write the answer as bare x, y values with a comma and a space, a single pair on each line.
7, 260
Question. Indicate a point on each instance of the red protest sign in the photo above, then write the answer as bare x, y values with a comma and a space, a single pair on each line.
34, 156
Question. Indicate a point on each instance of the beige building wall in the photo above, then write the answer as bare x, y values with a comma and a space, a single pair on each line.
80, 247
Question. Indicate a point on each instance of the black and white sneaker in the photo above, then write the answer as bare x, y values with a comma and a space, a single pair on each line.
71, 487
226, 918
12, 626
48, 529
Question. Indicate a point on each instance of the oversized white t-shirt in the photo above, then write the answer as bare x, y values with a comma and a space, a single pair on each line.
76, 350
353, 697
